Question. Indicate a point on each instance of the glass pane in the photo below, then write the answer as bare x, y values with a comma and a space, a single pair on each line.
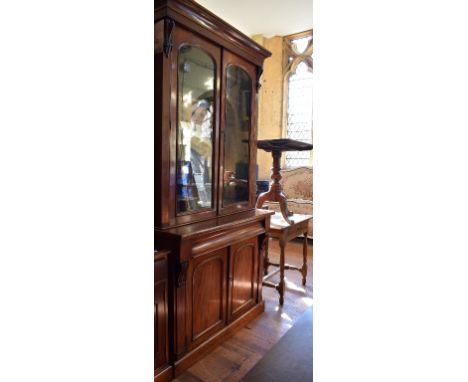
236, 136
300, 114
195, 130
300, 44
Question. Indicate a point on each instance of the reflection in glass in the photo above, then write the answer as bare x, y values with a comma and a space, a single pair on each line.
236, 136
195, 130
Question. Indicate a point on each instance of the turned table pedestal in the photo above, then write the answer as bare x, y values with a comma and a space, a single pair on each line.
285, 226
275, 193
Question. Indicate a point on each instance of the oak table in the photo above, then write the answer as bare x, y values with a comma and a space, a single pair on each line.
285, 232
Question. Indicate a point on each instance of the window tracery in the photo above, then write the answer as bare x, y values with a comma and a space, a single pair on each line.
297, 123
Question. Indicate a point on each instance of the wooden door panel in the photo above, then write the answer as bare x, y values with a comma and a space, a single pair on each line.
160, 314
207, 295
160, 322
243, 277
242, 283
208, 281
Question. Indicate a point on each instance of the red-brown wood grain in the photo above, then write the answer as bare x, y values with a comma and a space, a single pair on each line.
211, 283
242, 277
161, 327
229, 59
208, 289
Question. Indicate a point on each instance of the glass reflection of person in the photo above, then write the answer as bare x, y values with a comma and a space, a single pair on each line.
197, 142
201, 142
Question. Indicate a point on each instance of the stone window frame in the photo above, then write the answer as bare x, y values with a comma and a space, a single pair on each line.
289, 68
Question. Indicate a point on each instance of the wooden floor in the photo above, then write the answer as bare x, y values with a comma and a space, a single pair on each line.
230, 361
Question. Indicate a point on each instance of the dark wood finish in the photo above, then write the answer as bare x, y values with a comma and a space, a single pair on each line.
179, 23
232, 59
214, 279
216, 226
162, 98
242, 277
208, 283
283, 144
235, 356
208, 247
163, 370
166, 375
275, 193
208, 346
200, 20
285, 232
183, 37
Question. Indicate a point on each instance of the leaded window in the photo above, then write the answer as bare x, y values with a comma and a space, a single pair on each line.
298, 95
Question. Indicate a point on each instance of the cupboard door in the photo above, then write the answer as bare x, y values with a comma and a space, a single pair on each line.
243, 277
208, 282
238, 134
195, 96
161, 349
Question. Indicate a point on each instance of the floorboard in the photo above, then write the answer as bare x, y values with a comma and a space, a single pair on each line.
290, 359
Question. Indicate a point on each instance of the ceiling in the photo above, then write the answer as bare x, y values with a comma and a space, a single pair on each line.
267, 17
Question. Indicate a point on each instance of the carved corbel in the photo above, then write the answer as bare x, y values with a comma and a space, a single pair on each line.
259, 70
168, 36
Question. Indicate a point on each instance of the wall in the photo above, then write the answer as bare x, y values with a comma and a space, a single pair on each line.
270, 100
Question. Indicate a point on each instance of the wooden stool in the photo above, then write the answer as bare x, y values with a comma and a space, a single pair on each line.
284, 232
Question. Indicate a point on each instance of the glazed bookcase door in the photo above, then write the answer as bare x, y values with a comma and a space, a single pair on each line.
238, 135
194, 127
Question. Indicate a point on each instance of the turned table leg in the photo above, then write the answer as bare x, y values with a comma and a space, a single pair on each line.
275, 192
304, 259
281, 282
266, 259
